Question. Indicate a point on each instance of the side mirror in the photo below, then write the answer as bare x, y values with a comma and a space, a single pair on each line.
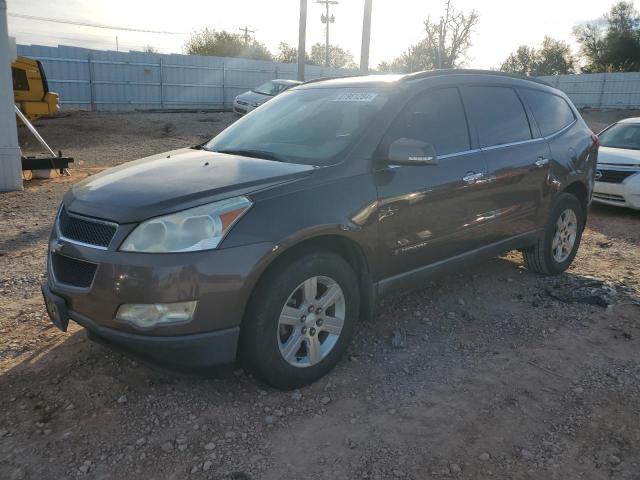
407, 151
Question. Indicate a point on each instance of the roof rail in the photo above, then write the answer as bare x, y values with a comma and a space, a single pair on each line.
465, 71
315, 80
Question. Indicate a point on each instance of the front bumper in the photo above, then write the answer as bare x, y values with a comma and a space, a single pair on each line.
624, 194
220, 280
197, 350
242, 109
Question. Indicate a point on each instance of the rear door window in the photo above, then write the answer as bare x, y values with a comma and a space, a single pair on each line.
498, 115
552, 113
436, 117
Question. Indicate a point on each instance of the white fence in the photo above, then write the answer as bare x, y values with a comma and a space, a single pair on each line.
105, 80
600, 90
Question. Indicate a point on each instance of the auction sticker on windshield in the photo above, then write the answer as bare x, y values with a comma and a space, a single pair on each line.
355, 97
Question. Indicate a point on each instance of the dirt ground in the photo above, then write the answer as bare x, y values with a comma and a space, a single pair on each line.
505, 374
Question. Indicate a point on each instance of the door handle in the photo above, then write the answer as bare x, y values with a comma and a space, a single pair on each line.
541, 162
471, 177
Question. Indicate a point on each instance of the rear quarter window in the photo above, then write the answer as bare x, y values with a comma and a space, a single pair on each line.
552, 113
498, 115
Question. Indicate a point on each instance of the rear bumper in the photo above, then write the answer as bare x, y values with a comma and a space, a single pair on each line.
198, 350
625, 194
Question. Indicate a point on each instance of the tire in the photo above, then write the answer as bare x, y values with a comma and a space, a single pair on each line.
547, 256
270, 333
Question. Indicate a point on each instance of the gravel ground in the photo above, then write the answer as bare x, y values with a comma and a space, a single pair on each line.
504, 374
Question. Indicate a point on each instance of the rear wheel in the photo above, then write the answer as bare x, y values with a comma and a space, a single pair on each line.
558, 243
300, 320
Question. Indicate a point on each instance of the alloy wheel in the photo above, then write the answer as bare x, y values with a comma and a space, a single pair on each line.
311, 321
564, 237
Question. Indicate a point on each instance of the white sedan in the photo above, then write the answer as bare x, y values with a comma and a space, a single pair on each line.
618, 174
247, 101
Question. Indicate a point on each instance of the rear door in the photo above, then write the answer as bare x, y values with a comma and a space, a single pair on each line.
426, 212
517, 160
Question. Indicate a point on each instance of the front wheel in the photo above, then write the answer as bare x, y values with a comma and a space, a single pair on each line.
559, 241
301, 320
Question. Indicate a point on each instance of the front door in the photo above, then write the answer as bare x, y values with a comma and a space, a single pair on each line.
427, 212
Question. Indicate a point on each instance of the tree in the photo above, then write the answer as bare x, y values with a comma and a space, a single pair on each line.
338, 57
286, 53
150, 49
553, 58
522, 61
611, 43
224, 44
444, 46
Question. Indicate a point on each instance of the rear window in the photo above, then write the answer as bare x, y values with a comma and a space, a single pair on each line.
552, 113
498, 115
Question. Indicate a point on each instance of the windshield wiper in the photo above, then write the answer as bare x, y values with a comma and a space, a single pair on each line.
254, 154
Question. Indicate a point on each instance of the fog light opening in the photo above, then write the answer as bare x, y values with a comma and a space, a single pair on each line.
150, 315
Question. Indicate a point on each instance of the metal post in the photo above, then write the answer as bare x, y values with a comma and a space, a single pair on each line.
10, 157
275, 72
602, 90
91, 85
161, 85
302, 37
326, 50
366, 37
224, 78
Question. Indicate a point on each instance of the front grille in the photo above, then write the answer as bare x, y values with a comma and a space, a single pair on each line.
73, 272
614, 176
609, 197
86, 230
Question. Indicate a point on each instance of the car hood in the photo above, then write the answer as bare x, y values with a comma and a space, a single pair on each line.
618, 156
252, 97
173, 181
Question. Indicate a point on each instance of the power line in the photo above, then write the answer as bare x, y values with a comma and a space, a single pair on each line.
89, 24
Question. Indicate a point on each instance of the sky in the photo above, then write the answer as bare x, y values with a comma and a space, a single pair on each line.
396, 24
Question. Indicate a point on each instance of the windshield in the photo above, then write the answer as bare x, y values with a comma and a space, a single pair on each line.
312, 126
270, 88
621, 135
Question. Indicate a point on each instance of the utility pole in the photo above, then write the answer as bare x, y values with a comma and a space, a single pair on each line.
117, 47
246, 34
302, 39
366, 38
326, 19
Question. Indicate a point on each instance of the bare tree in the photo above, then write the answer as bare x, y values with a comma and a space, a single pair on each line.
444, 46
450, 38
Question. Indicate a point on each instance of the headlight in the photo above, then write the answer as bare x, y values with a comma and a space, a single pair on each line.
200, 228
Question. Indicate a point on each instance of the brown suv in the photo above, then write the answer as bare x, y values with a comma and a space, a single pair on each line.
268, 243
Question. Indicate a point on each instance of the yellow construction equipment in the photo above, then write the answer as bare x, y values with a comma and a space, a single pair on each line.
30, 89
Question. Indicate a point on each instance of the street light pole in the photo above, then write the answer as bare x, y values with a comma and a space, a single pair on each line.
366, 38
302, 38
327, 20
